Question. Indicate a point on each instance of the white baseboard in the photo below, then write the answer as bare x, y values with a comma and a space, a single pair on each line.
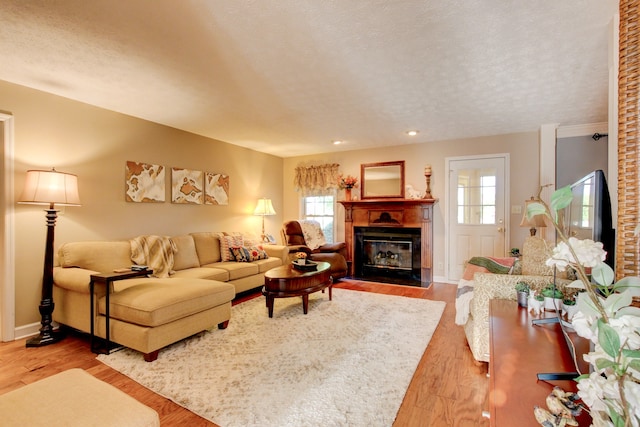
26, 331
442, 279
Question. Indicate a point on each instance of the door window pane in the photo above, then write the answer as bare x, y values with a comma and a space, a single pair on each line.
477, 196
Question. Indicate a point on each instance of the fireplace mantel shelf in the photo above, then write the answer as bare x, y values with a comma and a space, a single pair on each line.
368, 202
392, 212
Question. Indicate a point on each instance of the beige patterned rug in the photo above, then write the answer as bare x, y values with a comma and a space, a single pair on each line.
346, 363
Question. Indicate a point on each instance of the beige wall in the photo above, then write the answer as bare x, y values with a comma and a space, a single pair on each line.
94, 143
524, 176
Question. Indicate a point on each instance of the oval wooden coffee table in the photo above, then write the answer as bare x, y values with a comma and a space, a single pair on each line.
286, 281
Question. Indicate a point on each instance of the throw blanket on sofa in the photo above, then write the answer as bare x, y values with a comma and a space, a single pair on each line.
156, 252
466, 284
313, 236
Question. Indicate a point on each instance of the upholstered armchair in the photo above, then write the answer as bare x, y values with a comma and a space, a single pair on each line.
488, 286
307, 236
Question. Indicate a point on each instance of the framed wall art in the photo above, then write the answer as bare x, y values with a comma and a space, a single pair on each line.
144, 182
216, 189
186, 186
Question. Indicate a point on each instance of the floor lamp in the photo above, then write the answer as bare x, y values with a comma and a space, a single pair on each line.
264, 208
51, 188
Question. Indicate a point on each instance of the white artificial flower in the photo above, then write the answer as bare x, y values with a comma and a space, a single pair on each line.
591, 391
628, 329
593, 356
600, 419
589, 254
632, 394
585, 326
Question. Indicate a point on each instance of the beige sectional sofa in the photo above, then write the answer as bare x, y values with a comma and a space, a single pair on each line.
149, 313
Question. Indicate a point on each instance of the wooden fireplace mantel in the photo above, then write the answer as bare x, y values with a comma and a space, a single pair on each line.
392, 212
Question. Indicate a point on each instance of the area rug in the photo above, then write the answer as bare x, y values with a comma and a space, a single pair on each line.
348, 362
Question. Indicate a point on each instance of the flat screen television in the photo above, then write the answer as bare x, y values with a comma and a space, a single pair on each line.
589, 214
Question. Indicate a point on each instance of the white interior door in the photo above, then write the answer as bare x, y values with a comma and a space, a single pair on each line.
477, 218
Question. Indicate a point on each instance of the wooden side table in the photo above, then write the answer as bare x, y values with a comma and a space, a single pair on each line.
519, 352
107, 279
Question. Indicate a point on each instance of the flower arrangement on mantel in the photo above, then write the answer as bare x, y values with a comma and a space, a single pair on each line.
605, 316
347, 182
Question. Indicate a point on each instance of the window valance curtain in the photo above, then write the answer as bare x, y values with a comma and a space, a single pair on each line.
317, 180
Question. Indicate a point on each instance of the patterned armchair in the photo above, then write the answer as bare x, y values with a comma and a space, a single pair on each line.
487, 286
307, 236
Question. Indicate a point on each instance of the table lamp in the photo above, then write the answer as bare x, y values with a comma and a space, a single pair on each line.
535, 222
49, 187
264, 208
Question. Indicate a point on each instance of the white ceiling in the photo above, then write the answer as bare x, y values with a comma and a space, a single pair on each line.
287, 77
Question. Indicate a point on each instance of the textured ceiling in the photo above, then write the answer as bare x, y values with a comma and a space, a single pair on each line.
287, 77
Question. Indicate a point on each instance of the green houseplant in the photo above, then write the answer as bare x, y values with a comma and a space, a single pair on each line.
522, 290
552, 297
570, 307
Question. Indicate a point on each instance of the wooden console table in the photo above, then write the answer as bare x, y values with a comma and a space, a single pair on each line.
519, 351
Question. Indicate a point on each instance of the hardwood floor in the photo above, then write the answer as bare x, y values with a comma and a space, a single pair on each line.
448, 389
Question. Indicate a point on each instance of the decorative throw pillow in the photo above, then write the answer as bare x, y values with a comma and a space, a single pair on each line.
244, 254
226, 243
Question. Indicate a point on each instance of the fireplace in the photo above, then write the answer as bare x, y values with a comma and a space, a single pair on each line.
384, 235
390, 255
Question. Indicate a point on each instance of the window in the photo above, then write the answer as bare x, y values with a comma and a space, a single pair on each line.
321, 209
477, 196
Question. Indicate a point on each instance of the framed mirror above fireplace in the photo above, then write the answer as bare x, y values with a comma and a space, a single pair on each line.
382, 180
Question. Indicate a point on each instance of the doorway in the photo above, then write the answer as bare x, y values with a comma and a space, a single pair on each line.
477, 221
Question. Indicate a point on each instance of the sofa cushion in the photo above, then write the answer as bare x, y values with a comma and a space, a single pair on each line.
204, 273
103, 257
227, 241
237, 270
207, 247
248, 254
186, 255
160, 301
267, 264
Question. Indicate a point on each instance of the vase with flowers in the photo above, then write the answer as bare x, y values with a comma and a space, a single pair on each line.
605, 316
347, 183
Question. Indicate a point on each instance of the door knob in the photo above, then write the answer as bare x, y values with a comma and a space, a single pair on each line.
500, 230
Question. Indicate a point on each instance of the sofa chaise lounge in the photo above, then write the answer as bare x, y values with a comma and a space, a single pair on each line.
149, 313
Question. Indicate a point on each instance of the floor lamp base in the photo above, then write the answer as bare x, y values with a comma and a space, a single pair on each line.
45, 338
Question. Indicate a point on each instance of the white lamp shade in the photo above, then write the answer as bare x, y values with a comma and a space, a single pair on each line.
47, 187
264, 207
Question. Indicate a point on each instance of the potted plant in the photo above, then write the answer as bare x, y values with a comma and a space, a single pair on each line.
522, 290
569, 307
552, 297
515, 252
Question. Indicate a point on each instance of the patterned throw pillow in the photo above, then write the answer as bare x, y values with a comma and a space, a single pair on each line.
244, 254
226, 243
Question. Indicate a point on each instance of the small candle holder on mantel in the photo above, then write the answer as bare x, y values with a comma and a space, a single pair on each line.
427, 175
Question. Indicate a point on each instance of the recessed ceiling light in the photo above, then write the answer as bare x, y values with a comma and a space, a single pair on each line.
337, 142
412, 132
